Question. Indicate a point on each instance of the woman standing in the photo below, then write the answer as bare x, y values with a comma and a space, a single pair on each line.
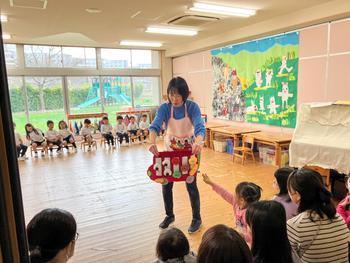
184, 128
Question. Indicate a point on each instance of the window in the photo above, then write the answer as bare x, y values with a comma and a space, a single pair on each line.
145, 59
115, 58
84, 95
79, 57
42, 56
45, 100
18, 102
10, 55
146, 91
117, 92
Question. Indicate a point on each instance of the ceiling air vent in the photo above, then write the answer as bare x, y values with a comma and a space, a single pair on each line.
192, 20
33, 4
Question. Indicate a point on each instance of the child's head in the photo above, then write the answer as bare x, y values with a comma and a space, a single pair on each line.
281, 178
132, 119
247, 193
221, 244
62, 125
119, 119
144, 117
172, 243
105, 120
29, 127
268, 219
87, 122
306, 188
50, 232
50, 124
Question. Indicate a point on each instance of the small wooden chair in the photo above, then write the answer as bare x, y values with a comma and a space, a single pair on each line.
38, 149
84, 144
244, 150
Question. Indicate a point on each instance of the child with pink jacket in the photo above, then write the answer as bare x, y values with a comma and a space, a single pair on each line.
245, 194
343, 208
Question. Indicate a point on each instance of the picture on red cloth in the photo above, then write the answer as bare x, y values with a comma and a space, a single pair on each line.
174, 166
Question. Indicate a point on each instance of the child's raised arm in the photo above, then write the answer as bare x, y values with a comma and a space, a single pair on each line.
226, 195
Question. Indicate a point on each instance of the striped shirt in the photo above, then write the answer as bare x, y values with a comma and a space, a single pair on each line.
321, 240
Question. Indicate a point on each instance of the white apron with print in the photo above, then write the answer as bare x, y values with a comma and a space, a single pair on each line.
180, 133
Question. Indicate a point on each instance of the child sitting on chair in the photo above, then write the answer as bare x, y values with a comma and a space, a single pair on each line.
36, 138
66, 134
144, 125
53, 138
343, 208
20, 147
121, 131
86, 131
133, 128
106, 131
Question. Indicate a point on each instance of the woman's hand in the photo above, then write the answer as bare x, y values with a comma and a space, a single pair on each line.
196, 148
154, 150
207, 179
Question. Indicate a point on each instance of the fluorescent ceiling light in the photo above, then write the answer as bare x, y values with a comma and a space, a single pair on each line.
140, 43
6, 36
222, 10
172, 30
3, 18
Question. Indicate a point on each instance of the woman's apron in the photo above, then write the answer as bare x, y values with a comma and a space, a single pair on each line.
180, 133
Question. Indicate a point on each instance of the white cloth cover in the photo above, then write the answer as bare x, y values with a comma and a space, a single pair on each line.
322, 137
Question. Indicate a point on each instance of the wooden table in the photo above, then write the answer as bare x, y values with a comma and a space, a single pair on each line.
278, 140
233, 132
208, 126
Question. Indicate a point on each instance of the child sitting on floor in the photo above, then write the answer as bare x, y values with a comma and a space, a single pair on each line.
245, 194
86, 131
173, 246
343, 208
280, 185
121, 131
144, 125
53, 138
20, 147
133, 128
66, 135
106, 131
36, 138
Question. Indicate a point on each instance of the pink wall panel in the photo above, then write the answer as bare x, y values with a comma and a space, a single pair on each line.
313, 41
312, 80
180, 65
340, 37
338, 78
195, 62
206, 59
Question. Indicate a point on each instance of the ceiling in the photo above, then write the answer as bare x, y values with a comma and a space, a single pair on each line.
65, 22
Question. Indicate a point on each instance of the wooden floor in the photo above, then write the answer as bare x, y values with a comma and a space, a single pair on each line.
118, 208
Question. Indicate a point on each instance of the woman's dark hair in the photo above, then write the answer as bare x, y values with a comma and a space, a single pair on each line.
62, 121
49, 122
281, 176
222, 244
267, 221
172, 243
87, 121
178, 85
48, 232
119, 117
27, 132
250, 192
313, 194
